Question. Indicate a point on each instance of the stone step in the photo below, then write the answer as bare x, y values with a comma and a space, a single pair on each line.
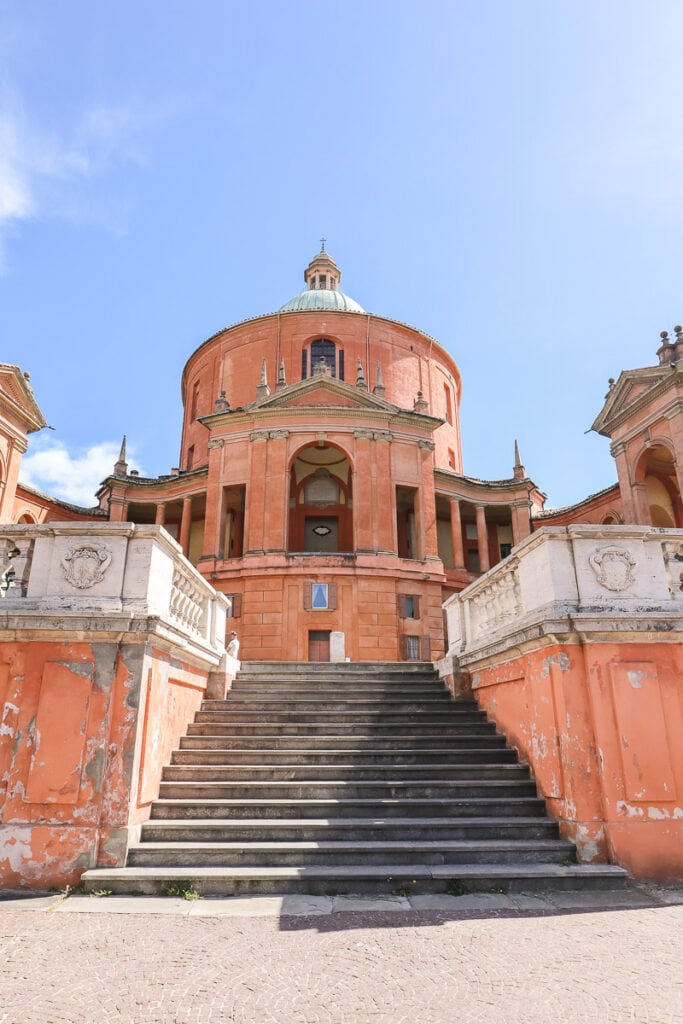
344, 725
386, 878
323, 709
381, 758
402, 669
248, 830
492, 851
347, 807
348, 742
334, 718
343, 772
325, 697
359, 789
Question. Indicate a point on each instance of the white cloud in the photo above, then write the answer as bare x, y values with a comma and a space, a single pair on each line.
72, 476
43, 172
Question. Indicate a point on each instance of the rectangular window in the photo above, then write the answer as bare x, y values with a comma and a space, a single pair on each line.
416, 648
320, 597
304, 363
195, 400
412, 648
409, 606
340, 357
234, 609
451, 458
449, 407
322, 281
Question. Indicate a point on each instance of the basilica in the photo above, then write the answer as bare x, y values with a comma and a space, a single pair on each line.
320, 482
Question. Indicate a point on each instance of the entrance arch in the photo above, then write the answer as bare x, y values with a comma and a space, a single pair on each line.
320, 501
656, 473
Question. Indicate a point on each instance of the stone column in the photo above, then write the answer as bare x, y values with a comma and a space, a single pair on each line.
214, 502
277, 491
384, 509
160, 517
118, 508
521, 527
427, 500
186, 526
483, 540
363, 497
456, 535
628, 498
254, 541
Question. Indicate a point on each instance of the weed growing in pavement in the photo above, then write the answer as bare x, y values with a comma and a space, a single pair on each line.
100, 893
184, 890
456, 887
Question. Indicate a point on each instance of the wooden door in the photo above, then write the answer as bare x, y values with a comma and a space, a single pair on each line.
318, 645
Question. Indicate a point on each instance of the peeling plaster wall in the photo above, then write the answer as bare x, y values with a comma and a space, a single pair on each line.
600, 725
84, 732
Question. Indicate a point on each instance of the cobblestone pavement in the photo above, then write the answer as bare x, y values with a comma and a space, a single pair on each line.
433, 960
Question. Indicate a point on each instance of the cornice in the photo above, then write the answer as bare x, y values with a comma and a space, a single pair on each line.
662, 379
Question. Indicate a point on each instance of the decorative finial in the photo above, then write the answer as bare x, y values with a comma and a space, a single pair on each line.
379, 388
281, 379
360, 379
419, 405
222, 404
667, 351
322, 244
262, 390
518, 472
121, 466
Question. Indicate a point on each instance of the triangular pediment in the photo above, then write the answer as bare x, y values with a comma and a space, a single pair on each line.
323, 391
17, 398
632, 389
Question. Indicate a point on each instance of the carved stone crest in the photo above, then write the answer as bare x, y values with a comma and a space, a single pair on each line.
85, 565
613, 568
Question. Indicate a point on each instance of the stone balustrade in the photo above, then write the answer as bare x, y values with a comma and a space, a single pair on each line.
574, 648
625, 577
111, 574
109, 642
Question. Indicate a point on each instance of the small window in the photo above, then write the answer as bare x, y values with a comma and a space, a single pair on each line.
304, 364
320, 597
409, 606
234, 609
412, 648
190, 457
322, 281
451, 458
195, 400
505, 550
449, 406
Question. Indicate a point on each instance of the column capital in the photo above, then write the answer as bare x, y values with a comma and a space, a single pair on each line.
426, 446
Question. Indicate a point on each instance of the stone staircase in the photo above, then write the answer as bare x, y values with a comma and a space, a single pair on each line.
353, 778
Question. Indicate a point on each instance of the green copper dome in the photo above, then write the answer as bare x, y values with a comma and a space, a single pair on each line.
321, 298
322, 276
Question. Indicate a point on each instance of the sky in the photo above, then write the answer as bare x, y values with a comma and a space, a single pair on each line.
507, 177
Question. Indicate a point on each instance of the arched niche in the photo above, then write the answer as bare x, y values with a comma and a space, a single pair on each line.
320, 501
656, 473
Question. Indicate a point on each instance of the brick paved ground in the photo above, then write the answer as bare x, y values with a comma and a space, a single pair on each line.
93, 962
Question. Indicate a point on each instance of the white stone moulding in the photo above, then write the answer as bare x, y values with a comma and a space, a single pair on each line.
606, 577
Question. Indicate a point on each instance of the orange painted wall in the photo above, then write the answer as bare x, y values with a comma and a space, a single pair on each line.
274, 626
598, 725
84, 731
231, 360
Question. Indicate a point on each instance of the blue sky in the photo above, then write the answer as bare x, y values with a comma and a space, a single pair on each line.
506, 176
